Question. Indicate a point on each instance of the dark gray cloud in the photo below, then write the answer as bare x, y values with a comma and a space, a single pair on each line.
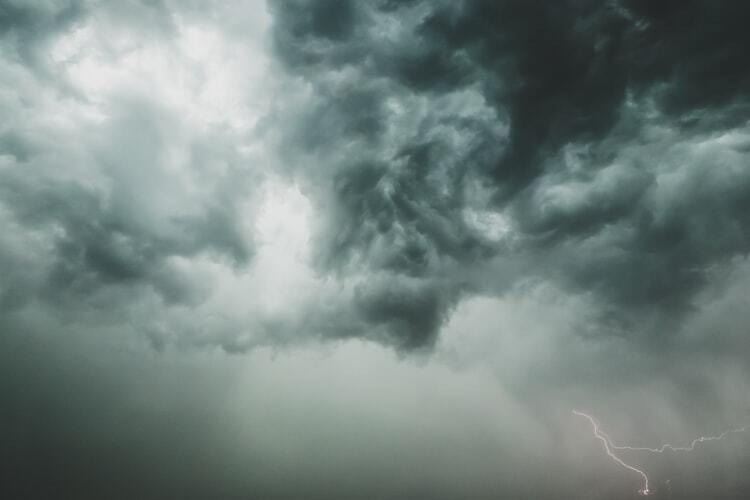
342, 249
588, 111
25, 26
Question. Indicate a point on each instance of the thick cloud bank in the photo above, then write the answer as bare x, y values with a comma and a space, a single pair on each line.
349, 249
601, 144
442, 149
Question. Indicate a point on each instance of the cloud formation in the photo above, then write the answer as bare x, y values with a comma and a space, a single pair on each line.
445, 149
600, 137
382, 248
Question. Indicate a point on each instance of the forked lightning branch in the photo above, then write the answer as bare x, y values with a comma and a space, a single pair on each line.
610, 448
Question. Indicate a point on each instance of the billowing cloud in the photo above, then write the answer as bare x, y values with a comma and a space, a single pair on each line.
607, 166
341, 249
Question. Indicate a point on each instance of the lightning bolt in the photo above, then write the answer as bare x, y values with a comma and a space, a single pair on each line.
609, 447
700, 439
607, 443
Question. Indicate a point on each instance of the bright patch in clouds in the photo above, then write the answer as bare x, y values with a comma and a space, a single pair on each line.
197, 71
283, 237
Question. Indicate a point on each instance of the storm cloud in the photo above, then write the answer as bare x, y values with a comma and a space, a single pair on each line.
417, 233
582, 129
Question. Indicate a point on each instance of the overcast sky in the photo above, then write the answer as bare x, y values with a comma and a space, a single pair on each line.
378, 250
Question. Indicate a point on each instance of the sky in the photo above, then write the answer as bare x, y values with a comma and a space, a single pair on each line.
340, 249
